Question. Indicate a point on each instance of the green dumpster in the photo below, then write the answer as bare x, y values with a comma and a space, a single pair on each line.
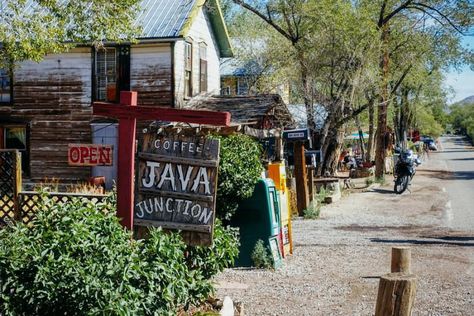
258, 217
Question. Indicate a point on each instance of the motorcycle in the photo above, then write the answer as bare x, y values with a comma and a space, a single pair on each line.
405, 169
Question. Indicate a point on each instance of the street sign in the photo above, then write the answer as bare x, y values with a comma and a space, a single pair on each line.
177, 184
90, 155
296, 135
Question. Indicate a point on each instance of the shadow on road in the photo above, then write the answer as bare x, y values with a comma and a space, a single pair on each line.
461, 159
453, 238
448, 175
382, 191
420, 242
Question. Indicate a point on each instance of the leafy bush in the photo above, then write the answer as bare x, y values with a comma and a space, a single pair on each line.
313, 210
78, 260
239, 170
212, 260
261, 256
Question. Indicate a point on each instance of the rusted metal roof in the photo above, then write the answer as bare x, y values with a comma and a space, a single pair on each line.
248, 110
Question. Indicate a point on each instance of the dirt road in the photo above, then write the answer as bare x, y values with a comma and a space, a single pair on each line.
339, 257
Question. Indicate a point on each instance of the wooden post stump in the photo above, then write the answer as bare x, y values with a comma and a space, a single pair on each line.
396, 295
401, 260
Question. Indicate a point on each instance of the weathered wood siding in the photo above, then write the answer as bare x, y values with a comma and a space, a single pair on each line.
54, 98
200, 31
151, 74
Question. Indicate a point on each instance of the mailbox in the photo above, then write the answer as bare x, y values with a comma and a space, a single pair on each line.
258, 217
277, 172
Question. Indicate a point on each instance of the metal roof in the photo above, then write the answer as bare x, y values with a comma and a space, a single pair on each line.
164, 18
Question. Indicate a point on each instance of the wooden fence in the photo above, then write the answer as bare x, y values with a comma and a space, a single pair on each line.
23, 205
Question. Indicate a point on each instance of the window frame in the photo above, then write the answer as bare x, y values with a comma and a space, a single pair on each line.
188, 69
9, 75
203, 65
121, 73
25, 153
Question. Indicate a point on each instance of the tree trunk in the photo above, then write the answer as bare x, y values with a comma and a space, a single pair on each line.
370, 143
383, 106
333, 145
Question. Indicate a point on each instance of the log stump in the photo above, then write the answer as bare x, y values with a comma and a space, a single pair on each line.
396, 295
401, 260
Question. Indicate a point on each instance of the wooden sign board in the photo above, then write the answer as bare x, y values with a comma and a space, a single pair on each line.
90, 155
177, 181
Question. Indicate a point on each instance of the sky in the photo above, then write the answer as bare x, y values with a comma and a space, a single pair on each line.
461, 82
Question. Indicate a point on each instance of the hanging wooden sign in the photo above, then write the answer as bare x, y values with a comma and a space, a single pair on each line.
177, 182
90, 155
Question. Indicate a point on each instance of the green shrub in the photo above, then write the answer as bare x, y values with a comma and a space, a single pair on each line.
212, 260
313, 210
78, 260
239, 170
322, 194
261, 256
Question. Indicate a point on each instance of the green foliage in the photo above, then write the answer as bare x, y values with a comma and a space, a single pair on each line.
78, 260
313, 210
32, 29
322, 194
212, 260
462, 118
239, 170
261, 256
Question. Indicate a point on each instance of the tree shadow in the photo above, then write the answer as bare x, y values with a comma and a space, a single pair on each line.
382, 191
451, 238
420, 242
463, 159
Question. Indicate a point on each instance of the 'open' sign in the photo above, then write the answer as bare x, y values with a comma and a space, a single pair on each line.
90, 155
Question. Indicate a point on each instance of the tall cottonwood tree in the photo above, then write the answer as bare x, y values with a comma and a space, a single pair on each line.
454, 15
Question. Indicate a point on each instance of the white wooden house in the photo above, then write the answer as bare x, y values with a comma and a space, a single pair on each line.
45, 106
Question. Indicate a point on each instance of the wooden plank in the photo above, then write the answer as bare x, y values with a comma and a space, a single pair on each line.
177, 183
302, 195
176, 226
161, 113
178, 160
189, 196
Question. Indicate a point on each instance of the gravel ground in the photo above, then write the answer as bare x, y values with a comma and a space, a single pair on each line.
339, 258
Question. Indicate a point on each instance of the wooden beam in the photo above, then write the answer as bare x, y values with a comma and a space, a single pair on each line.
401, 259
161, 113
126, 161
302, 196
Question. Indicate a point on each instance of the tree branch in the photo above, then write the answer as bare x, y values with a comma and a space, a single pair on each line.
266, 18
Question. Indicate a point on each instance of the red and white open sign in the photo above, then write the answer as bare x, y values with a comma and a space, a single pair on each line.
90, 155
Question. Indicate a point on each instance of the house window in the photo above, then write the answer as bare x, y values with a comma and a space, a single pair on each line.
202, 67
106, 74
15, 137
242, 86
5, 87
188, 67
111, 72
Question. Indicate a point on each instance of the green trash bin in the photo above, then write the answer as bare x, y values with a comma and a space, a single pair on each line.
258, 217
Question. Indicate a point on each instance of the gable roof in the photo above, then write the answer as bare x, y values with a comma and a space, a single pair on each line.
173, 18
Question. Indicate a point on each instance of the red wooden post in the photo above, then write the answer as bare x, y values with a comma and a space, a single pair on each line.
126, 161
